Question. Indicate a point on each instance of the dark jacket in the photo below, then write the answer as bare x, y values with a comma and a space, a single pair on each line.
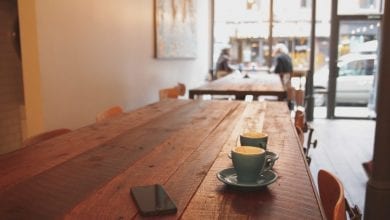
283, 64
223, 64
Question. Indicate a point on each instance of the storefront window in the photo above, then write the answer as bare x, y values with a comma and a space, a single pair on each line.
353, 7
292, 25
243, 25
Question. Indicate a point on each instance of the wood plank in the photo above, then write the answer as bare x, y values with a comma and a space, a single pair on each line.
207, 202
160, 165
186, 180
291, 195
80, 176
181, 148
27, 162
260, 84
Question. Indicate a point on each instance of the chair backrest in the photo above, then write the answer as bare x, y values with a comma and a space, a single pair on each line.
332, 195
44, 136
109, 113
300, 97
299, 119
302, 127
173, 92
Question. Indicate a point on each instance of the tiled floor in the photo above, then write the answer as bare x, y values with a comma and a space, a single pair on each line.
343, 145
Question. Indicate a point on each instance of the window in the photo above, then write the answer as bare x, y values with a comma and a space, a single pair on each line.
352, 7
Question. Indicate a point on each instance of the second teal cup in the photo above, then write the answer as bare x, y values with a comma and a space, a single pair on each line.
255, 139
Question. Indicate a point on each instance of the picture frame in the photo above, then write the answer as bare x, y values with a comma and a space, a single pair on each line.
175, 29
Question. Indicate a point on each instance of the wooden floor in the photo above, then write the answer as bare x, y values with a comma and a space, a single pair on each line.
343, 145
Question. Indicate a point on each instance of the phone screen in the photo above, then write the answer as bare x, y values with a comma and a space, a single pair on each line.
153, 200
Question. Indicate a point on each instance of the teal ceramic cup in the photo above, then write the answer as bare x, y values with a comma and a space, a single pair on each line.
256, 139
249, 162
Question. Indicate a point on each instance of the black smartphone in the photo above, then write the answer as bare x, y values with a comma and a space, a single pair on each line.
153, 200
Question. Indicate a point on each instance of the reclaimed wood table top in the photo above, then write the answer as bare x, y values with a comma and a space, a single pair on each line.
257, 84
180, 144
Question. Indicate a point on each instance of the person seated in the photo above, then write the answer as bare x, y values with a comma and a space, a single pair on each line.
223, 64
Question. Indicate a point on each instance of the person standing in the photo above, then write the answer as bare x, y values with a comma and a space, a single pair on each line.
284, 67
283, 64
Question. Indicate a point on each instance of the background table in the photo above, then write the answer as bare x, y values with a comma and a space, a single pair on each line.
258, 84
181, 144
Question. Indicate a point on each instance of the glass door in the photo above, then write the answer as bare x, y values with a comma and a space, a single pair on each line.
350, 88
357, 67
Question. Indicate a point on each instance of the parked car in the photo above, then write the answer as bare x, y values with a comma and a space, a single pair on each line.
354, 81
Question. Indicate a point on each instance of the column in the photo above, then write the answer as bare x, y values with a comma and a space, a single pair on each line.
378, 187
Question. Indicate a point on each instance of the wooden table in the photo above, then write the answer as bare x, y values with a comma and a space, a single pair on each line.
181, 144
258, 84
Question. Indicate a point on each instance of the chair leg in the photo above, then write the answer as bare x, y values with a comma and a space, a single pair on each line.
309, 142
290, 105
354, 212
308, 159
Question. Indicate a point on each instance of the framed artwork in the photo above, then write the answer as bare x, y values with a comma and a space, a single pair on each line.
175, 29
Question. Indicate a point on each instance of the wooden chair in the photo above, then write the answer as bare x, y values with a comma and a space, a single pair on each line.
44, 136
332, 196
302, 126
333, 200
300, 97
299, 120
290, 97
173, 92
109, 113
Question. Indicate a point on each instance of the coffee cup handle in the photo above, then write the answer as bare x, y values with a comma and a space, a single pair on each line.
269, 162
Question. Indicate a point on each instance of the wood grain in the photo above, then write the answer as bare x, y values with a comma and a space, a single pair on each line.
22, 164
159, 165
70, 182
259, 84
292, 196
179, 144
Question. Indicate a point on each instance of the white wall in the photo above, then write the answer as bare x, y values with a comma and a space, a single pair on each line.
98, 53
